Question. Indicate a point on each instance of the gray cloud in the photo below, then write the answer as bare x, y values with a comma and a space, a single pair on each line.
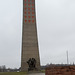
55, 26
56, 30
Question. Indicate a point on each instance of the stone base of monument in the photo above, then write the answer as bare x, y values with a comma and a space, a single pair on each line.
34, 71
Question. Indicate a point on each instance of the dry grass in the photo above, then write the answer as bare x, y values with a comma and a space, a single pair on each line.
13, 73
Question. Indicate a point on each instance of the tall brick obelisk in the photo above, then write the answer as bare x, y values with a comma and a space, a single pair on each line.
29, 36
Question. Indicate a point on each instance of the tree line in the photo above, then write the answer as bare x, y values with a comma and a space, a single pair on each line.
4, 69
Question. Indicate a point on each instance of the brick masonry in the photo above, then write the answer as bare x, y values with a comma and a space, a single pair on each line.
29, 35
64, 70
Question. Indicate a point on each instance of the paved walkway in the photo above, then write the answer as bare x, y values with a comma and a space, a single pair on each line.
37, 74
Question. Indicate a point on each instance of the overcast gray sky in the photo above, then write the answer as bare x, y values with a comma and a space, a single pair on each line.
55, 27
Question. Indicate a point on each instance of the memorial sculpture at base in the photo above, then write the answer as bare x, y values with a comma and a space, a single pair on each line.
32, 64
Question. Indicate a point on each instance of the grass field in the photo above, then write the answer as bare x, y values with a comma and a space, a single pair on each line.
43, 71
17, 73
13, 73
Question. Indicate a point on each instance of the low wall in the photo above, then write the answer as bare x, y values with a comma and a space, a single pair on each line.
64, 70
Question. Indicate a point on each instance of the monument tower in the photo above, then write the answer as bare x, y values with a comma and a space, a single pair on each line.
30, 53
